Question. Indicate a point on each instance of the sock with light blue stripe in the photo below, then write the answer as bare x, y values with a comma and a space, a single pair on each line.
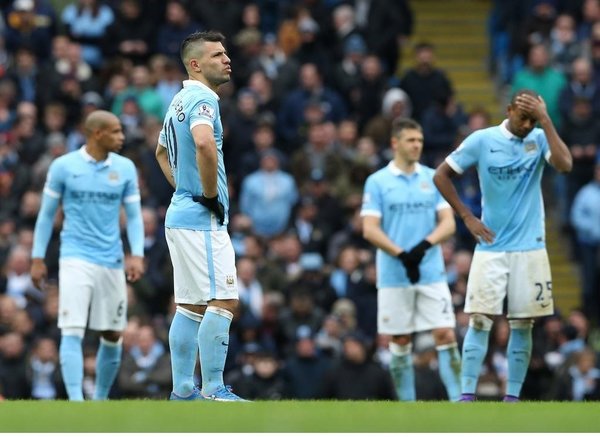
213, 339
403, 372
518, 354
183, 345
108, 361
71, 366
475, 348
449, 368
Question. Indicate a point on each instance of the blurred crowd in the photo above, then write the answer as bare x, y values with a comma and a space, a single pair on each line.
307, 115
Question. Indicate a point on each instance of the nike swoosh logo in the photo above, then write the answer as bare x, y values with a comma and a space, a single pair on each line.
495, 150
76, 175
546, 305
224, 344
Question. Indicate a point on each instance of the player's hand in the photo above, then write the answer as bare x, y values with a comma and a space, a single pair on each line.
213, 205
479, 230
38, 272
134, 268
534, 106
412, 267
417, 253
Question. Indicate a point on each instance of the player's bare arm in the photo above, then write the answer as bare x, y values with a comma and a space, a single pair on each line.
443, 182
206, 158
560, 158
445, 228
374, 234
163, 162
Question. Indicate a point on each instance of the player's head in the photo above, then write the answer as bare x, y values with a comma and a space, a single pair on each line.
103, 129
520, 122
407, 140
205, 58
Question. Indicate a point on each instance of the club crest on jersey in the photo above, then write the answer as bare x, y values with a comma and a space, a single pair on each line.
113, 176
229, 280
206, 111
530, 146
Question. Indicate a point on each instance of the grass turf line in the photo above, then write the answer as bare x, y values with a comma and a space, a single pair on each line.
297, 416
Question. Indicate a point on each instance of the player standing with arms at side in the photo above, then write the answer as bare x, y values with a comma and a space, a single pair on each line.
190, 154
92, 183
510, 258
405, 217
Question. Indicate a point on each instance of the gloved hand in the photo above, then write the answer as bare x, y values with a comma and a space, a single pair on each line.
417, 253
412, 267
213, 205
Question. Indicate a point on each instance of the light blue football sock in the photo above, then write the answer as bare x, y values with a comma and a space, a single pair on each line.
213, 339
71, 366
449, 368
402, 371
183, 344
518, 354
108, 361
475, 348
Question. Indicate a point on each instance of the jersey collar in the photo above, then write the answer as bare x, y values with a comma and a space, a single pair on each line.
83, 150
504, 129
397, 172
192, 82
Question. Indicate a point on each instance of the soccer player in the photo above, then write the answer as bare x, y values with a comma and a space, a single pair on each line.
190, 154
406, 218
510, 259
91, 183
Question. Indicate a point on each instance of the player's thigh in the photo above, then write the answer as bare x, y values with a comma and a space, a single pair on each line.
108, 309
433, 307
530, 285
203, 265
75, 284
395, 310
488, 282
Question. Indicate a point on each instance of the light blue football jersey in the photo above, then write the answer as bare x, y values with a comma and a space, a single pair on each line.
510, 173
195, 104
92, 194
407, 205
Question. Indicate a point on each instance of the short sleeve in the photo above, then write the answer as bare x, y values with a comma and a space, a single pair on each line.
162, 138
544, 146
372, 204
204, 112
466, 155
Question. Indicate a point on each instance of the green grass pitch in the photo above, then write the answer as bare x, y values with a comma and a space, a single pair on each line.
295, 416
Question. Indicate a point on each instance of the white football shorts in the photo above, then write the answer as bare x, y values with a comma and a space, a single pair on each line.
88, 288
404, 310
522, 277
203, 265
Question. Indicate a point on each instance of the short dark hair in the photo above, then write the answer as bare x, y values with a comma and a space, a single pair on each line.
401, 123
525, 91
424, 45
209, 35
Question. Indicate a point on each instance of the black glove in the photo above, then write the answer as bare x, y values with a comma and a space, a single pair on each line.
417, 253
213, 205
412, 267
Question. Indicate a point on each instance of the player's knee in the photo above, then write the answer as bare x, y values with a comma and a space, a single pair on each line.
444, 336
401, 340
230, 305
520, 323
112, 336
481, 322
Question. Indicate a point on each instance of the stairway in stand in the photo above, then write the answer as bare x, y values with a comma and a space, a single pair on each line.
457, 28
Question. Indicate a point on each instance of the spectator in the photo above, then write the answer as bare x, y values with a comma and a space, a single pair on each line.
424, 81
43, 372
86, 22
356, 376
580, 381
267, 197
585, 217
